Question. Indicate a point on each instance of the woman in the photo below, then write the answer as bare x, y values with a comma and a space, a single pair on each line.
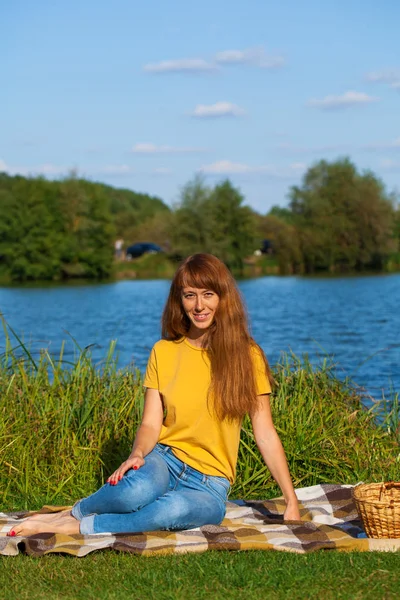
203, 376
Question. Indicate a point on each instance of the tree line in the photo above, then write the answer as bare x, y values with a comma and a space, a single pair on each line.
338, 219
52, 230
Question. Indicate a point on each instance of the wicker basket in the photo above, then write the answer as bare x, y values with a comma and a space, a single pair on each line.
378, 505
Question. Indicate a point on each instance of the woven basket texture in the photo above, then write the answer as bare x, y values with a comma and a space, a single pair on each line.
378, 505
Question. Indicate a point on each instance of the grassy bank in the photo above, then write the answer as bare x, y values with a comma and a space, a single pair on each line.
148, 266
217, 575
161, 266
64, 428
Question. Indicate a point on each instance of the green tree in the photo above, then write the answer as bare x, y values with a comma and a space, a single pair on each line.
233, 233
214, 221
284, 240
282, 213
396, 228
130, 210
156, 229
28, 230
191, 223
51, 229
344, 219
89, 232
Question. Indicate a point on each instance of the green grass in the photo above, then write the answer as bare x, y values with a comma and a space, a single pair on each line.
218, 575
148, 266
65, 427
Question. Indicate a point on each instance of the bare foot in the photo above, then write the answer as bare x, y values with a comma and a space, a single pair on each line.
66, 524
48, 517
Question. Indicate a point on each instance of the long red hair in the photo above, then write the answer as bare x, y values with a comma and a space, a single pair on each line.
227, 341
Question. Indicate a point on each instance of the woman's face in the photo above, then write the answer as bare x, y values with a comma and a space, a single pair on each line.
200, 306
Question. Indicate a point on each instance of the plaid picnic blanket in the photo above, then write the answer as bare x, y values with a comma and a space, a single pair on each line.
329, 521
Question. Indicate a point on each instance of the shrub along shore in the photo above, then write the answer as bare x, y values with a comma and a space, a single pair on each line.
65, 427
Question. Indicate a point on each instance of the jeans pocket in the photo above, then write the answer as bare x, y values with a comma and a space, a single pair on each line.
219, 486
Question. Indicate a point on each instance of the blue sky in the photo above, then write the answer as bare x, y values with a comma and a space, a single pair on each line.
144, 95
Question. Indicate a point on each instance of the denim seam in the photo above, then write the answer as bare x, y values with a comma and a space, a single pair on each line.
76, 511
216, 492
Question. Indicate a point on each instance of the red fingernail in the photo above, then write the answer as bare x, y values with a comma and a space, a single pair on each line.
12, 533
135, 468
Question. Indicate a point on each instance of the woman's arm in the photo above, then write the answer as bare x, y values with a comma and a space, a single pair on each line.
146, 437
272, 451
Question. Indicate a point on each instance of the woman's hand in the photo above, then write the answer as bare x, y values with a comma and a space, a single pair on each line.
292, 512
133, 462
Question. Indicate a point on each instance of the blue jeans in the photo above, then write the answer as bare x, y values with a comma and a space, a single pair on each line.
163, 494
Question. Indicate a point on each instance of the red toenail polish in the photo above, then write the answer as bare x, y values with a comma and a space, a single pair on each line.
135, 468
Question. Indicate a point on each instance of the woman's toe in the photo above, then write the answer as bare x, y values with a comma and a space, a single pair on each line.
11, 533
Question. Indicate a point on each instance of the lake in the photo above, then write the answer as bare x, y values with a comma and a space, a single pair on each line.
355, 320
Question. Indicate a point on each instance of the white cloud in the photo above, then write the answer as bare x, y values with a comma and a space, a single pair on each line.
117, 170
384, 76
227, 167
345, 100
45, 169
390, 165
289, 148
298, 167
395, 85
50, 169
183, 65
148, 148
252, 56
393, 145
293, 149
219, 109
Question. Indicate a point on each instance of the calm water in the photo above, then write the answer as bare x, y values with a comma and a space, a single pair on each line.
356, 320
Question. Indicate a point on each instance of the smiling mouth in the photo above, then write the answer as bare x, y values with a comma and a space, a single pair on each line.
201, 317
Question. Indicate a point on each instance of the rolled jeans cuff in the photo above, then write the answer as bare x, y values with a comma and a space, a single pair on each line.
76, 511
86, 525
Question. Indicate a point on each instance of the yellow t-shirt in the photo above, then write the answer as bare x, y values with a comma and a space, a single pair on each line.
181, 373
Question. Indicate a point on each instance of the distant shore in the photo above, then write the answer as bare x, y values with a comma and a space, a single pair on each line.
161, 266
158, 266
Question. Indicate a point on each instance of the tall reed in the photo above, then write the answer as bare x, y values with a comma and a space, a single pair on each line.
65, 427
328, 434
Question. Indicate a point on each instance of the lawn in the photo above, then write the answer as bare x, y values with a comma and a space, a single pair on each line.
217, 575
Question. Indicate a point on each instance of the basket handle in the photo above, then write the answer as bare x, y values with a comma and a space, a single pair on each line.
389, 485
386, 487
